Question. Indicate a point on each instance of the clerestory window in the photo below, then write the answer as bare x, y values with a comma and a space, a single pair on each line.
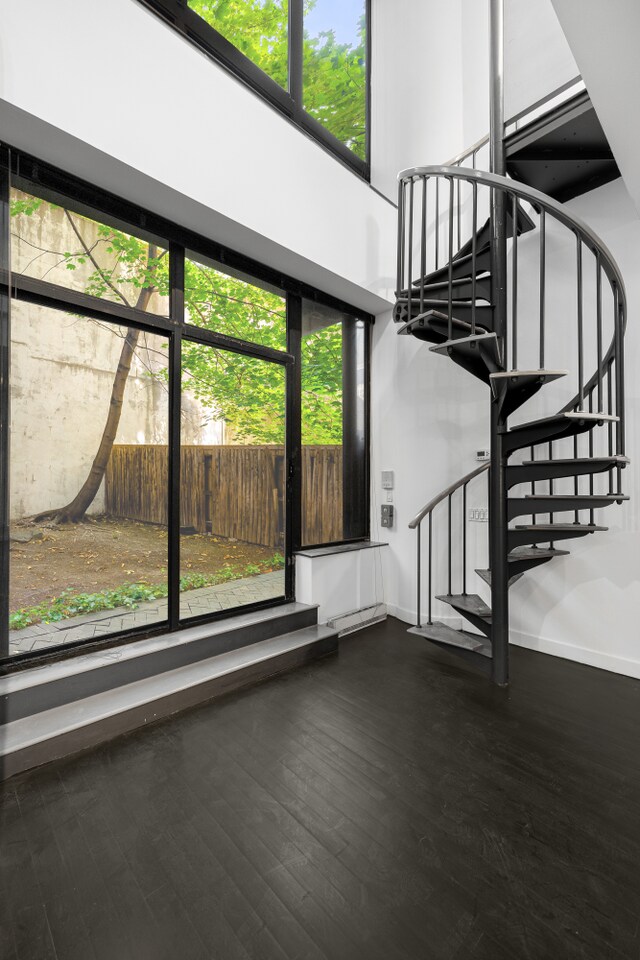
309, 58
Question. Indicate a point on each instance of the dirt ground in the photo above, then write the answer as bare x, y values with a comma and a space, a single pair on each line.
102, 554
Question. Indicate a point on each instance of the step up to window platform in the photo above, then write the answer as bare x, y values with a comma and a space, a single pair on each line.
51, 717
469, 646
522, 559
557, 427
532, 471
433, 327
478, 354
559, 503
461, 309
529, 534
512, 388
462, 267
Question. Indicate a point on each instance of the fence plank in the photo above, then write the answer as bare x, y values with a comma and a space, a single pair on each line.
229, 491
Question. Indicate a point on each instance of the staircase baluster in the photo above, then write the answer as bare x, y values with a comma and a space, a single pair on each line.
591, 513
599, 327
551, 489
579, 301
449, 548
576, 485
450, 238
430, 621
532, 451
514, 287
400, 268
610, 423
418, 575
423, 242
437, 227
619, 355
543, 280
464, 538
474, 243
459, 211
410, 254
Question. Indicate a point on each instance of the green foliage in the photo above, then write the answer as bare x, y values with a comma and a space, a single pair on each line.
245, 392
333, 73
129, 595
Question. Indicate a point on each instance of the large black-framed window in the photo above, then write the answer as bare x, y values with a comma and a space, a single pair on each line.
218, 343
310, 60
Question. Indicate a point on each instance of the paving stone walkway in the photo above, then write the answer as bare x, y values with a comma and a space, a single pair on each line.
193, 603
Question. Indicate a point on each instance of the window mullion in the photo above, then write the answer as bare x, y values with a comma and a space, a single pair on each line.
296, 26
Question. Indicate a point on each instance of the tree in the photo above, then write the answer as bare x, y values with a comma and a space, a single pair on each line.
245, 392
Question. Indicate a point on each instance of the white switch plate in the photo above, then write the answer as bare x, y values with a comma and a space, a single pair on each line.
387, 479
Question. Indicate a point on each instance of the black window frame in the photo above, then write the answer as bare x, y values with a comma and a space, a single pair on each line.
51, 181
288, 102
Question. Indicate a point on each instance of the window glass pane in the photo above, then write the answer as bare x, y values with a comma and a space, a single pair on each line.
52, 242
232, 510
233, 305
258, 28
334, 496
89, 417
334, 69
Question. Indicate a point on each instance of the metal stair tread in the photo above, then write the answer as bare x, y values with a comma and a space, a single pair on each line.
563, 461
474, 338
529, 373
539, 553
461, 639
574, 496
549, 527
423, 320
557, 417
469, 602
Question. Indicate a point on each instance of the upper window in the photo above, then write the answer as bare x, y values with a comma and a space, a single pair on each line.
310, 55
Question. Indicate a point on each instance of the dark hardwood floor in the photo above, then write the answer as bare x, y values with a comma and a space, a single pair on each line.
385, 803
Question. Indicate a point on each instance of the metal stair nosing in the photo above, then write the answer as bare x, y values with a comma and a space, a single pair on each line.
539, 470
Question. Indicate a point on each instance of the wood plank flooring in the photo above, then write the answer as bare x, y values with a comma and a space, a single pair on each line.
384, 804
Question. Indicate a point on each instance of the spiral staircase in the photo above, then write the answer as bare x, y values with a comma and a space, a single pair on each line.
476, 255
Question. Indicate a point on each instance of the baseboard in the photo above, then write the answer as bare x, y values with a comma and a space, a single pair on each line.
570, 651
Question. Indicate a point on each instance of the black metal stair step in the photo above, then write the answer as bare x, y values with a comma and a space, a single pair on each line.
483, 236
461, 309
537, 470
522, 559
559, 503
462, 267
512, 388
557, 427
469, 646
471, 606
433, 327
461, 289
523, 534
478, 354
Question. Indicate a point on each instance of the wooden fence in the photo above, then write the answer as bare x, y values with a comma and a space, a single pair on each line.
228, 491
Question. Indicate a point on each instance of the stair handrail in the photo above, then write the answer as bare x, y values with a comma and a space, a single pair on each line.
537, 199
419, 517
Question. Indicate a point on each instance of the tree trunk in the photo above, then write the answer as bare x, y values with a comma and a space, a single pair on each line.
75, 511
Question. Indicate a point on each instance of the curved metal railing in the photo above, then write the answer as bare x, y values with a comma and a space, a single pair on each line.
435, 226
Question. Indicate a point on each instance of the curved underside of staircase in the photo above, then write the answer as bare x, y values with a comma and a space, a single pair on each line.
466, 242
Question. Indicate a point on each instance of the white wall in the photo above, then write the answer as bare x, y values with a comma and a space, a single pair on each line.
604, 38
538, 58
416, 87
112, 94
